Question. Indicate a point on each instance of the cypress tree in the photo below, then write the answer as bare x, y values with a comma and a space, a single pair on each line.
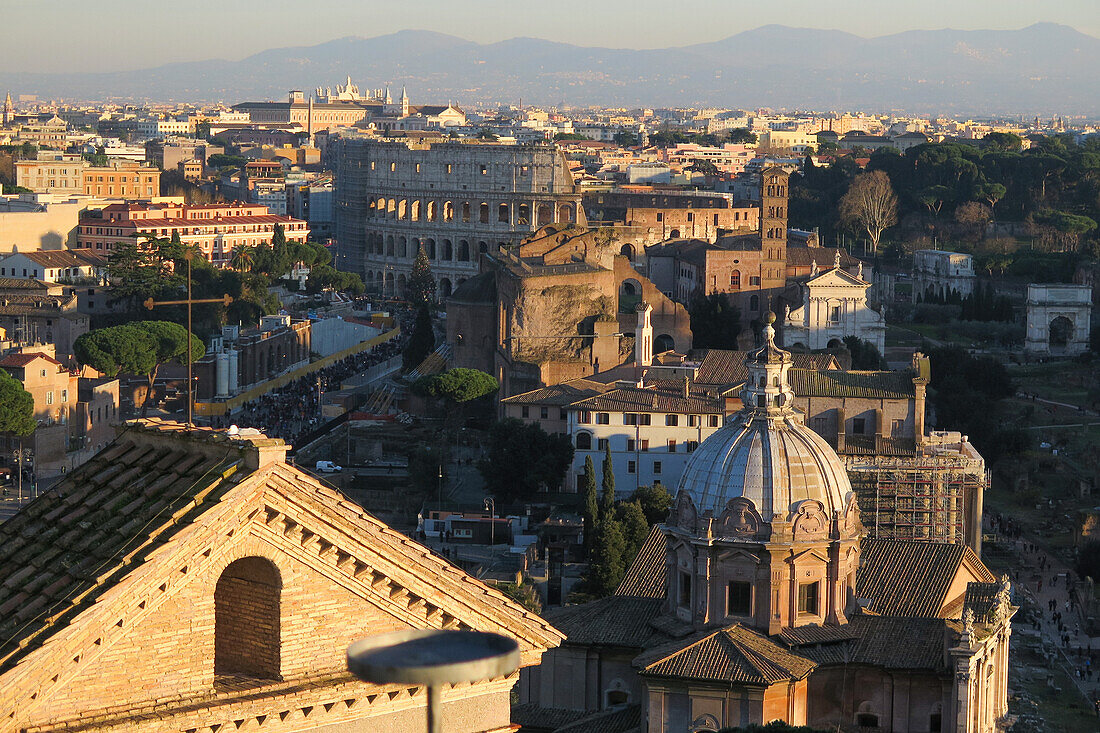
606, 567
422, 341
635, 529
608, 505
591, 503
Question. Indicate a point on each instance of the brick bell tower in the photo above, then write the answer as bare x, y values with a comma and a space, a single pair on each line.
773, 231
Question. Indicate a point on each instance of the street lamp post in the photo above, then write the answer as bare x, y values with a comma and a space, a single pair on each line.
492, 507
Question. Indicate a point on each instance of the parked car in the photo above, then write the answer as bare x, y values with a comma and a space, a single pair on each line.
328, 467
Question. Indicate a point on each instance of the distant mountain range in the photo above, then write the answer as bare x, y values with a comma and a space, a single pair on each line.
1042, 69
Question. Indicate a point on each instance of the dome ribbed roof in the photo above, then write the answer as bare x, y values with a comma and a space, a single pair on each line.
773, 463
766, 453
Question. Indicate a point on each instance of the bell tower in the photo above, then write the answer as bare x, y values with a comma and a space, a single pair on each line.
773, 228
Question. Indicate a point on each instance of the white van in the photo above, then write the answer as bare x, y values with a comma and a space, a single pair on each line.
328, 467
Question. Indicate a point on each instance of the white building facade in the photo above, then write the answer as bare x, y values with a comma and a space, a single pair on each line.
942, 272
651, 433
829, 306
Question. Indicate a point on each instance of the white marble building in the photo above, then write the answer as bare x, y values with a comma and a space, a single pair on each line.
824, 308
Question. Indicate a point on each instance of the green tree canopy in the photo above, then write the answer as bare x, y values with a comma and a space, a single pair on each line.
742, 136
865, 355
460, 385
16, 407
138, 348
655, 502
523, 459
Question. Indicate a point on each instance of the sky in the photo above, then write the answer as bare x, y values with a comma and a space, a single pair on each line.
112, 35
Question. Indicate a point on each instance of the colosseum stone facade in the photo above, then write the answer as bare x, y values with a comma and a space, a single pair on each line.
454, 198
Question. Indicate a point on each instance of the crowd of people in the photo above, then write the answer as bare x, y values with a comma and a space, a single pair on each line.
294, 410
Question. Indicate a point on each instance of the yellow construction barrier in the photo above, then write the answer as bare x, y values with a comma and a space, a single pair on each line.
210, 409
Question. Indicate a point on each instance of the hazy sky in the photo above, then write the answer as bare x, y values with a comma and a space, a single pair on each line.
109, 35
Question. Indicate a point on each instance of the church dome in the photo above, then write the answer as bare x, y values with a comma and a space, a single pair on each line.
765, 453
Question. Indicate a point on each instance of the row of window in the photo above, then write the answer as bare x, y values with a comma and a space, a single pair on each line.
641, 445
584, 417
415, 210
449, 168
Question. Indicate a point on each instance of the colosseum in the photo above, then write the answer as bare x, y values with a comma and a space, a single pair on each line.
454, 198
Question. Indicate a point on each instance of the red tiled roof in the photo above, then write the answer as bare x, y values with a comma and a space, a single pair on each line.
22, 360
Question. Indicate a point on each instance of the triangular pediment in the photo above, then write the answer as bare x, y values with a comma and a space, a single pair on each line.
358, 574
836, 277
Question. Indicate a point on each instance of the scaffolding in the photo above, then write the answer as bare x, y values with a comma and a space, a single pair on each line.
936, 497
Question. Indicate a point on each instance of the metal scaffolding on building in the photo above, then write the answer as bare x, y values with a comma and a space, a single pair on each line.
934, 498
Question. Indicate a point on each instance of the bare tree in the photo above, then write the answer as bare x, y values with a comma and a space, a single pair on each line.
870, 204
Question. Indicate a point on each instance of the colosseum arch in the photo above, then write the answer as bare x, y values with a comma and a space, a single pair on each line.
565, 213
502, 214
546, 215
246, 620
483, 213
402, 208
370, 208
448, 250
389, 244
463, 251
414, 213
627, 251
630, 294
389, 247
431, 211
401, 284
524, 215
429, 249
465, 211
448, 211
391, 207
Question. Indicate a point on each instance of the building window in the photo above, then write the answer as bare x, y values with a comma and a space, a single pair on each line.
544, 412
685, 590
713, 421
657, 468
525, 411
693, 421
631, 467
834, 314
64, 395
672, 446
603, 418
601, 443
754, 301
692, 445
584, 441
739, 598
807, 598
859, 425
584, 417
672, 420
630, 445
49, 397
645, 418
630, 418
643, 444
246, 619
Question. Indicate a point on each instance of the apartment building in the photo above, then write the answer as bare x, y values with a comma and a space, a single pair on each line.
215, 229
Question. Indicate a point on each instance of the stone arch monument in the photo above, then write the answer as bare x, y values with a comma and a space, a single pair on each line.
1058, 319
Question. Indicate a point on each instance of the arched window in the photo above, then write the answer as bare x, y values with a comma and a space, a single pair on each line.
524, 215
463, 251
584, 441
483, 213
735, 280
246, 620
466, 211
415, 215
448, 251
402, 208
546, 214
754, 303
431, 249
448, 211
502, 213
431, 211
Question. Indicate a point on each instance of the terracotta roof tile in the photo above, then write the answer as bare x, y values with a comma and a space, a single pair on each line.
722, 368
735, 654
887, 385
645, 399
910, 578
645, 578
612, 621
892, 643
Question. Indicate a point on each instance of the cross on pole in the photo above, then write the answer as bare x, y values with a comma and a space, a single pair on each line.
150, 304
